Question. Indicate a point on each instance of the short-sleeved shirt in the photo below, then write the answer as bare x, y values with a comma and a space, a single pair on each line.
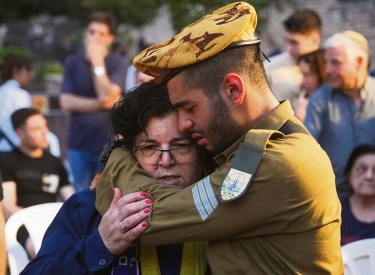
90, 131
338, 126
12, 97
38, 180
352, 229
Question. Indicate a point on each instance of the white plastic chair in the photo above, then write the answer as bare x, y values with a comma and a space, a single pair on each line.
36, 219
359, 257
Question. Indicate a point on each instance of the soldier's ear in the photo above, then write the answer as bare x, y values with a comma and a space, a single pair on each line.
233, 87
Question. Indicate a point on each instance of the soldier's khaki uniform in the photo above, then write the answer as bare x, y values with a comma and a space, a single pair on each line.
286, 222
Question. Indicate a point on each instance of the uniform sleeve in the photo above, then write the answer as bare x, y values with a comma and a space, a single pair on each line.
314, 116
194, 213
71, 246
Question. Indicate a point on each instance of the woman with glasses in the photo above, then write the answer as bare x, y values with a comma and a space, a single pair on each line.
80, 241
358, 211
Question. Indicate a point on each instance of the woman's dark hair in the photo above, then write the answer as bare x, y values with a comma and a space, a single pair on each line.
11, 62
317, 64
131, 115
358, 151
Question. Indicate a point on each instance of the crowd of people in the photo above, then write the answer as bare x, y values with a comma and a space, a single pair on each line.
218, 161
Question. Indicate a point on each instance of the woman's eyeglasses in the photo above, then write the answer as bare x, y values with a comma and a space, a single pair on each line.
181, 154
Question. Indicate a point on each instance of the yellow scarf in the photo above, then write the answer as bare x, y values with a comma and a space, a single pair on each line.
193, 259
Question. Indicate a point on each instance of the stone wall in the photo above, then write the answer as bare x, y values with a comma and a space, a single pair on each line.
336, 16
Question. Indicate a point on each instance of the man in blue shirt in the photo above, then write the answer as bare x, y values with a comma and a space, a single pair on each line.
341, 114
92, 83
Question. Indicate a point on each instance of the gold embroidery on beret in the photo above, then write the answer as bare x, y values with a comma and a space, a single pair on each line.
199, 41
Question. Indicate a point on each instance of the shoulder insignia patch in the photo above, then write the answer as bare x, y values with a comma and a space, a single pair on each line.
241, 172
234, 184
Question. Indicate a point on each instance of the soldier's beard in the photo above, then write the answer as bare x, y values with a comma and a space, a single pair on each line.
222, 128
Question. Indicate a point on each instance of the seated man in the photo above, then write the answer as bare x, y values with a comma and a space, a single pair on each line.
80, 241
31, 175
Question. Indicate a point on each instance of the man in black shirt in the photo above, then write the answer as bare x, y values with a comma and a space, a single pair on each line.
31, 175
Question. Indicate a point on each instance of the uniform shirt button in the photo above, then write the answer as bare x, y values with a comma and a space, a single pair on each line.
102, 262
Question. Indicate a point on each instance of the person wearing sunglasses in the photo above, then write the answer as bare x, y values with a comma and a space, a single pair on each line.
80, 241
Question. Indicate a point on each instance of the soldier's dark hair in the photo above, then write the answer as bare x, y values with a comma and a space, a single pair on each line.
104, 18
20, 116
303, 21
131, 115
360, 150
208, 74
317, 64
13, 62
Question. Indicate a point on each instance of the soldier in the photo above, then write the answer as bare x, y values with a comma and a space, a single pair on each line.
271, 207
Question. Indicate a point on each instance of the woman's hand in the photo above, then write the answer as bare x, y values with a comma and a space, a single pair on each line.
122, 223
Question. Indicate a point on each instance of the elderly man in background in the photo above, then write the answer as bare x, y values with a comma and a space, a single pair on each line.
341, 114
302, 36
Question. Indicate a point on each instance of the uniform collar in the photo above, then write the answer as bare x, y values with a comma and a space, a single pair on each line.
271, 121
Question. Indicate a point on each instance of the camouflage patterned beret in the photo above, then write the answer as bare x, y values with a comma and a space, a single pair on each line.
232, 25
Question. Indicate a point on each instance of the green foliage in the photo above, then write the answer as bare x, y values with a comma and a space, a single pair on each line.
134, 13
185, 12
47, 67
15, 50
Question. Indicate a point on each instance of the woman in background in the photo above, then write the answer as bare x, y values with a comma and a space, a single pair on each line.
312, 66
358, 211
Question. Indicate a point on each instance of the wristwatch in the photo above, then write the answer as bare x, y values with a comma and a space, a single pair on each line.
99, 70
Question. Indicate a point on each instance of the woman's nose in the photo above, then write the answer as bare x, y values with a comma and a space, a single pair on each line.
370, 173
166, 159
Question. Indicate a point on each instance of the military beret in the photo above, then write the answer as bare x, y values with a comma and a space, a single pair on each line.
227, 27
